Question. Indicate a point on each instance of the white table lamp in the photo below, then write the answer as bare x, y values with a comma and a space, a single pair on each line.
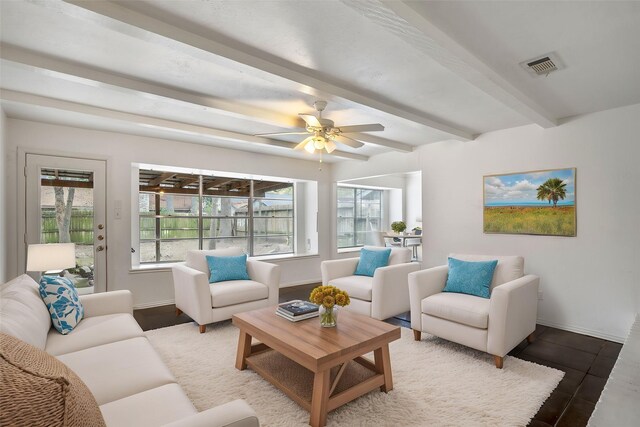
51, 256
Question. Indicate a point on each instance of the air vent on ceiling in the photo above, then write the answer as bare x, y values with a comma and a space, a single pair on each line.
542, 65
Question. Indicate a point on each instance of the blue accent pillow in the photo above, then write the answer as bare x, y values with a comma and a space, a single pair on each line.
62, 300
470, 277
370, 260
223, 268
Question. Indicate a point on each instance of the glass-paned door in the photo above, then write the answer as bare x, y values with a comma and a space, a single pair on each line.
65, 203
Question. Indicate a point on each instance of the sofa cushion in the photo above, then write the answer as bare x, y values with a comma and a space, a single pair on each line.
509, 267
22, 312
120, 369
197, 259
236, 292
225, 268
63, 302
359, 287
370, 260
151, 408
94, 331
460, 308
39, 390
470, 277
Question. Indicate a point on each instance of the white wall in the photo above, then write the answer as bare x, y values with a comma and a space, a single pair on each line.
395, 208
413, 199
4, 179
390, 181
155, 287
590, 282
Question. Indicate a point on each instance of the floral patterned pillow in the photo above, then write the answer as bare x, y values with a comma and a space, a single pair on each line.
62, 300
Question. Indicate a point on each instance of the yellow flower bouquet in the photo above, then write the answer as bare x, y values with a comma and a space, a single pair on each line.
328, 297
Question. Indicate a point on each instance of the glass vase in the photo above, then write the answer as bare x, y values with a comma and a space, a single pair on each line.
328, 316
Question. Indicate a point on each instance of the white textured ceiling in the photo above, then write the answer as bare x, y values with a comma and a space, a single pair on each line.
599, 42
218, 72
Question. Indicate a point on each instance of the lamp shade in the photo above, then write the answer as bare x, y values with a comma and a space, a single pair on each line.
51, 256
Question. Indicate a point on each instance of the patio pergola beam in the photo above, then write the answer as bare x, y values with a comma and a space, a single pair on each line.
162, 177
191, 191
65, 183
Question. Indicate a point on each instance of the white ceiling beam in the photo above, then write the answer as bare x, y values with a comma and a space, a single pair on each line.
295, 76
153, 122
72, 71
401, 19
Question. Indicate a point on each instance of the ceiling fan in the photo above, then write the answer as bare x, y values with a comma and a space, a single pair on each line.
325, 134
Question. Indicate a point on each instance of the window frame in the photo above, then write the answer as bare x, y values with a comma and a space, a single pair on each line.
201, 216
356, 213
291, 217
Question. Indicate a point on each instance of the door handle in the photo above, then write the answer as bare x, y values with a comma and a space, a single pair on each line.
100, 248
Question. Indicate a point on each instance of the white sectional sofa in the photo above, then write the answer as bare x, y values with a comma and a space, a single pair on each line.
111, 354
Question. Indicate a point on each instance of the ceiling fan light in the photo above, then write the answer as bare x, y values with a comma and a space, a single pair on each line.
319, 143
309, 147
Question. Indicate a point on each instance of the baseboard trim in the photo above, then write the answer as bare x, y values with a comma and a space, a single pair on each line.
153, 304
582, 331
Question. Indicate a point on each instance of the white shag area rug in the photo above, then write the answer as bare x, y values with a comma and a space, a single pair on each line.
435, 383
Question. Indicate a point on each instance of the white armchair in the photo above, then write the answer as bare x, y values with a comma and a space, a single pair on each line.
384, 295
495, 325
208, 302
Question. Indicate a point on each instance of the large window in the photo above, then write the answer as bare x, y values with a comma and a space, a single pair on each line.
179, 212
359, 211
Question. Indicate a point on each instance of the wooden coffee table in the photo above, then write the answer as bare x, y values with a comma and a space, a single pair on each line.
319, 368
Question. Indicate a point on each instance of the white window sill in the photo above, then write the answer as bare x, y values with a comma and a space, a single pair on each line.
284, 257
162, 267
152, 268
348, 250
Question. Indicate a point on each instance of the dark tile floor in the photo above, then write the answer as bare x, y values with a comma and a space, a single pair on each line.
586, 361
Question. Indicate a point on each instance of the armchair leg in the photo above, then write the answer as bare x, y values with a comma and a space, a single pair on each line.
178, 312
417, 335
203, 328
530, 338
499, 361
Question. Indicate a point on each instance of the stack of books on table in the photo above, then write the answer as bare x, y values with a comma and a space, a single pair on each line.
297, 310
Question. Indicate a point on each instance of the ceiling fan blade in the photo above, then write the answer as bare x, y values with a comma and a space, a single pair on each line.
348, 141
373, 127
280, 133
302, 144
311, 120
329, 146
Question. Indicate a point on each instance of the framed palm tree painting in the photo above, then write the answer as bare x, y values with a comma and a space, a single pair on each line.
537, 202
